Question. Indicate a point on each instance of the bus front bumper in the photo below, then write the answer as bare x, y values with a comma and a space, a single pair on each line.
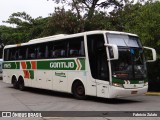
118, 92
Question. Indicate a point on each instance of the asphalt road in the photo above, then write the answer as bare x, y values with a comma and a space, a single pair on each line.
42, 100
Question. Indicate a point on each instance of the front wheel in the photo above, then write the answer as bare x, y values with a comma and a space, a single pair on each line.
78, 90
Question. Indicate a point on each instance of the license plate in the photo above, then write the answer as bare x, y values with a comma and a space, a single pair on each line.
133, 92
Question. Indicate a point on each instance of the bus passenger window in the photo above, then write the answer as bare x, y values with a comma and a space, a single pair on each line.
41, 51
53, 54
62, 53
76, 47
32, 52
20, 57
74, 52
6, 54
39, 55
14, 54
58, 53
32, 55
58, 50
11, 55
46, 52
22, 53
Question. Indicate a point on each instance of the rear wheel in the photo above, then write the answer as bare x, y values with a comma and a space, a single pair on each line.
21, 84
78, 90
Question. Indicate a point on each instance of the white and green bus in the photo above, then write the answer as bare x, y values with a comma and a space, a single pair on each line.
106, 64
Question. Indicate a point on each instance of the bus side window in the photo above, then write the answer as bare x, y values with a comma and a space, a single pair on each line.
13, 54
47, 52
41, 51
11, 57
76, 47
58, 53
22, 53
62, 53
16, 55
6, 54
53, 54
20, 57
82, 51
31, 52
58, 50
32, 55
74, 53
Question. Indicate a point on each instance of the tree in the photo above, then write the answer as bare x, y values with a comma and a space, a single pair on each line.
90, 6
99, 21
26, 27
20, 19
62, 21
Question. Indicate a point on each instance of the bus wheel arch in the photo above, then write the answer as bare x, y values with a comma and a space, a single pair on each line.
78, 89
21, 84
14, 82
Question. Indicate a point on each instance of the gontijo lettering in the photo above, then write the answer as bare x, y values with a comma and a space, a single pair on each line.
62, 64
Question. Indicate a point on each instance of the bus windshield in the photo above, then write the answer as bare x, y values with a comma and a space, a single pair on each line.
131, 63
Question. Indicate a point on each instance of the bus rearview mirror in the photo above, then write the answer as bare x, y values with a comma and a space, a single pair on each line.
153, 52
114, 51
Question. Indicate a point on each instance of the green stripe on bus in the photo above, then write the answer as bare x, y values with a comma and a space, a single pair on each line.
67, 64
116, 80
61, 65
18, 65
11, 65
82, 61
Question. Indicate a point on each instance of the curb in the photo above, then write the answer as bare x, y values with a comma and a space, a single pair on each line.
153, 93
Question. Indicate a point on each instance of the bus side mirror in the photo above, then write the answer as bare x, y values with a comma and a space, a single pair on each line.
113, 50
154, 56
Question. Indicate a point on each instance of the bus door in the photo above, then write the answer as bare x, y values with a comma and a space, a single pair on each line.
98, 64
102, 69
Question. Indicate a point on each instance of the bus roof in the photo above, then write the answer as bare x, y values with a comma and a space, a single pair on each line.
63, 36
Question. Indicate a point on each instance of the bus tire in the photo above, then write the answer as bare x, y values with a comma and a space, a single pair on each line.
14, 82
78, 90
21, 84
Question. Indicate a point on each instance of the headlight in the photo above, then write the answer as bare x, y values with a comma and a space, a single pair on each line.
117, 84
146, 83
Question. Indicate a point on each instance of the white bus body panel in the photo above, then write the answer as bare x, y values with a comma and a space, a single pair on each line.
43, 79
60, 81
102, 88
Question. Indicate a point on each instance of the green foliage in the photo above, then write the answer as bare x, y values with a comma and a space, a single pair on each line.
20, 19
26, 28
90, 6
63, 21
100, 21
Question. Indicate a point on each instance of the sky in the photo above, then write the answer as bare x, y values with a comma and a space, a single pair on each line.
34, 8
